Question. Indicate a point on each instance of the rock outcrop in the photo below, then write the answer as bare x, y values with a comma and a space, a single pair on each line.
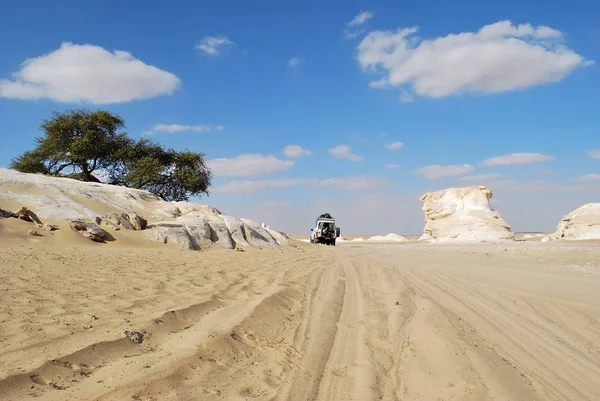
391, 237
581, 224
462, 215
129, 221
204, 226
189, 225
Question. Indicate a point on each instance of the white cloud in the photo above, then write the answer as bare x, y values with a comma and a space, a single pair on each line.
361, 18
174, 128
594, 154
481, 178
87, 73
348, 183
392, 166
210, 44
248, 165
517, 159
344, 152
352, 183
354, 27
276, 204
294, 62
296, 151
244, 187
499, 57
395, 145
500, 184
406, 97
588, 178
435, 171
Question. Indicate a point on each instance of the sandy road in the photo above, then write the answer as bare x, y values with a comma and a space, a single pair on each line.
368, 322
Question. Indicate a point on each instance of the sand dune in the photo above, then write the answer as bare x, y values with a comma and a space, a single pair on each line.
362, 321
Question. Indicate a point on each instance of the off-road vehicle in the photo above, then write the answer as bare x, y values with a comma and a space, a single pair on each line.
325, 231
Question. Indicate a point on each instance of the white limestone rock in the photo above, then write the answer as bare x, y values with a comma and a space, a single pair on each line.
581, 224
391, 237
462, 215
173, 234
189, 225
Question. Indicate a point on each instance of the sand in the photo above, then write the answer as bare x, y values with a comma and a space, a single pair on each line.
358, 321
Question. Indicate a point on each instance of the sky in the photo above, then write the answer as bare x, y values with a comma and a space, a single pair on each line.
353, 108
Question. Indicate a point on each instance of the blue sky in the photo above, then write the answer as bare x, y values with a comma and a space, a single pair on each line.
452, 86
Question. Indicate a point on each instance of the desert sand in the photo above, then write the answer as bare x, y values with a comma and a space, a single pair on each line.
359, 321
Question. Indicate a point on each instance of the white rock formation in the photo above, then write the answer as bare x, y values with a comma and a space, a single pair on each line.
581, 224
462, 215
190, 225
391, 237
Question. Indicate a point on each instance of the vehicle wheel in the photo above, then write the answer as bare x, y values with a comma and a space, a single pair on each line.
333, 242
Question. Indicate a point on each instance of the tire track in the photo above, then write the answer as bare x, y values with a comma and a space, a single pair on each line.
349, 374
504, 340
315, 339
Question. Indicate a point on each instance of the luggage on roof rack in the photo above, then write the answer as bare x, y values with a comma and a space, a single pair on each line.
325, 216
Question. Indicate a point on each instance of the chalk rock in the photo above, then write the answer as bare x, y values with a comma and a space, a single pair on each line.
173, 234
391, 237
191, 225
581, 224
462, 215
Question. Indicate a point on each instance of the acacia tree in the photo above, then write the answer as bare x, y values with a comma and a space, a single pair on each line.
79, 143
167, 173
75, 143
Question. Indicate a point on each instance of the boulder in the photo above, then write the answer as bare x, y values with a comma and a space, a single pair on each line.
581, 224
138, 222
463, 215
119, 220
88, 230
46, 227
27, 215
5, 214
129, 221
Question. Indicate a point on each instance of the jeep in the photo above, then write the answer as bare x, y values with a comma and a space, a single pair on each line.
325, 231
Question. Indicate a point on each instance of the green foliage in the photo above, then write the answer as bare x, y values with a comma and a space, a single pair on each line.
167, 173
78, 143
